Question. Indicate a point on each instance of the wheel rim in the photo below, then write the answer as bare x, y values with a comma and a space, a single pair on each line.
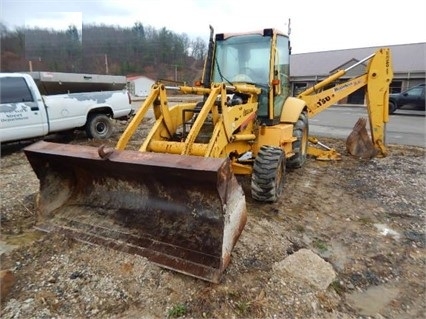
101, 128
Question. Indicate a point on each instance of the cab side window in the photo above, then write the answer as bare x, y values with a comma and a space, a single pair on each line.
14, 90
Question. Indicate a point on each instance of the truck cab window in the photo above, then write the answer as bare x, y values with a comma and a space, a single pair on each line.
14, 90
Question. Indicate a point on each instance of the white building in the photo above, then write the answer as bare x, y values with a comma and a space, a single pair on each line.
139, 85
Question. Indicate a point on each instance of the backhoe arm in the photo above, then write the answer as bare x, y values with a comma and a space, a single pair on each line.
323, 99
377, 79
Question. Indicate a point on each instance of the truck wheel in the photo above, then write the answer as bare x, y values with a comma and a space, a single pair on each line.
99, 126
268, 177
392, 107
300, 146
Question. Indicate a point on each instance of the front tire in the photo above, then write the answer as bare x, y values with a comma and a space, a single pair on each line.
99, 126
268, 177
392, 107
300, 146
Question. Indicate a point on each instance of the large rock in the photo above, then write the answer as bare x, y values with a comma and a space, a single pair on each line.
307, 266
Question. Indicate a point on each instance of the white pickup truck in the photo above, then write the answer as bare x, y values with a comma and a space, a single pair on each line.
25, 113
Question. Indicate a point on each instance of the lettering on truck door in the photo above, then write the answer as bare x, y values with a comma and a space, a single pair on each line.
21, 115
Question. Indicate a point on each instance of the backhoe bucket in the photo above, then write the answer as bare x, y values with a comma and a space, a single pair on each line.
359, 143
183, 213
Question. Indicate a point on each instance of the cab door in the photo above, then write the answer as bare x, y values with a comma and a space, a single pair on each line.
22, 114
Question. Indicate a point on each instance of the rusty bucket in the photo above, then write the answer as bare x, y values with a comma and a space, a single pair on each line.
183, 213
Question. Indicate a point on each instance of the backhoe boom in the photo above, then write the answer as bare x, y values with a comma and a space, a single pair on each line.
376, 79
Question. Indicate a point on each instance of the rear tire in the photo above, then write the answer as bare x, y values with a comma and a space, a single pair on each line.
99, 126
300, 146
268, 177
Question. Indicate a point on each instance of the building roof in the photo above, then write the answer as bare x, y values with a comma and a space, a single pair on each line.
135, 77
405, 57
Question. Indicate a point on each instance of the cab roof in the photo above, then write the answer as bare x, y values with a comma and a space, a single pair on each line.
266, 31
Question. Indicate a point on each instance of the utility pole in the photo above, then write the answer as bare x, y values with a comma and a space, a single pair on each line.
106, 63
30, 62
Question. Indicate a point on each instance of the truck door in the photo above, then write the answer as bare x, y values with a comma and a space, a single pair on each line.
22, 114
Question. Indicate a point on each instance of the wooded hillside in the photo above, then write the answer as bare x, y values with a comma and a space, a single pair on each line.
103, 49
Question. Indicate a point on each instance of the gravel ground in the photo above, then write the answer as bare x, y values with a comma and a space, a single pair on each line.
365, 219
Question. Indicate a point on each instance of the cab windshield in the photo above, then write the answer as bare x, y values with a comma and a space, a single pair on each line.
242, 59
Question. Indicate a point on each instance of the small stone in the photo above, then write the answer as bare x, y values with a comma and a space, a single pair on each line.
51, 280
7, 280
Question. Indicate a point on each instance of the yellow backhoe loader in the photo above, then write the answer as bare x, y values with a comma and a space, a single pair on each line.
176, 200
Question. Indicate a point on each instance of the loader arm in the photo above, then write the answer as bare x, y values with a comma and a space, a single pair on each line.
177, 129
377, 78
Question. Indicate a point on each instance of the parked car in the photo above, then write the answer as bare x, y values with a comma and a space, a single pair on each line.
414, 96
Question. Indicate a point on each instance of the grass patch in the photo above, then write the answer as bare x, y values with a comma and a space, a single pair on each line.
337, 287
300, 228
243, 307
365, 220
177, 311
320, 245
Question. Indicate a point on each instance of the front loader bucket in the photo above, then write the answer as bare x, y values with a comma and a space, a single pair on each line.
183, 213
359, 143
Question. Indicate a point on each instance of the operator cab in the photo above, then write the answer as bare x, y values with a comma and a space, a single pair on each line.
260, 58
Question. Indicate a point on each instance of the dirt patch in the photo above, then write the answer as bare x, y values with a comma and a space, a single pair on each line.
365, 218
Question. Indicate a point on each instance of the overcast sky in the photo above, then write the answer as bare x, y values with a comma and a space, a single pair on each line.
316, 25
